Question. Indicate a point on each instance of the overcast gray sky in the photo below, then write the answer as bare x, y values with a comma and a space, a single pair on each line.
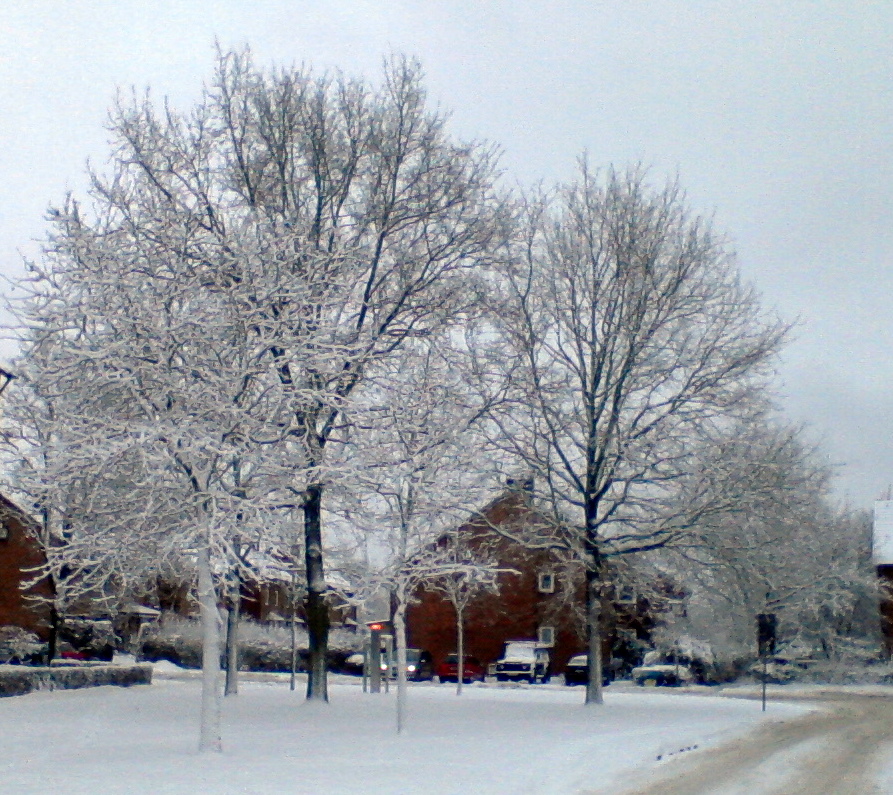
776, 116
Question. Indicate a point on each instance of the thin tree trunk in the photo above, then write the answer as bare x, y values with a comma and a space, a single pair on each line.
55, 615
209, 736
400, 633
293, 622
317, 609
594, 627
231, 688
53, 642
460, 642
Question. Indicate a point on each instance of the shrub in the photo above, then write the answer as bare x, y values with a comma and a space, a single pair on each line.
18, 680
17, 645
94, 638
262, 647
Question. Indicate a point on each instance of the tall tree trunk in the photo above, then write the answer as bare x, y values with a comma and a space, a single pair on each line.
400, 633
317, 609
594, 632
231, 688
460, 642
209, 735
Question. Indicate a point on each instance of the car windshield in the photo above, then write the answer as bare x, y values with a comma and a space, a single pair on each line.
412, 655
452, 659
579, 659
520, 652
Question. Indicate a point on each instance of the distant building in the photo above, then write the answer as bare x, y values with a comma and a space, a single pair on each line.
882, 553
542, 598
20, 555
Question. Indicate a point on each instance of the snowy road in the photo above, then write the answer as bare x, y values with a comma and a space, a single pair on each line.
842, 750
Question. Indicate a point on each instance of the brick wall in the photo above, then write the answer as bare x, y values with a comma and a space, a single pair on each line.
20, 551
520, 608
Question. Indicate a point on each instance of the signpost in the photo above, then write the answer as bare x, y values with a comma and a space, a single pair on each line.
767, 626
379, 641
373, 659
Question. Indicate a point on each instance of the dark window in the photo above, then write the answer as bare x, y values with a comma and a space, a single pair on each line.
546, 582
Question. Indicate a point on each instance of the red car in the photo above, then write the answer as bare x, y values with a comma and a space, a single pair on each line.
472, 671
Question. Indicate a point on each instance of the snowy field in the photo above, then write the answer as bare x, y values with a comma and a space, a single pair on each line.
492, 739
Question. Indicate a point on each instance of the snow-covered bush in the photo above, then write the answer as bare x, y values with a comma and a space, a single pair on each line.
96, 639
17, 645
18, 681
263, 647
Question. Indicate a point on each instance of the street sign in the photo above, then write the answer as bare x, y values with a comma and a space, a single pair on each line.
767, 625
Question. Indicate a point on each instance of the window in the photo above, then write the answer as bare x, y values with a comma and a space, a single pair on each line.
546, 582
4, 531
627, 595
545, 636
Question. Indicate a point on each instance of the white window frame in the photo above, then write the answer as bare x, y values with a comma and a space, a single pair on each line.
626, 595
545, 582
545, 636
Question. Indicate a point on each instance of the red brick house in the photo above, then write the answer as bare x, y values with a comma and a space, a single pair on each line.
266, 597
543, 600
885, 577
20, 554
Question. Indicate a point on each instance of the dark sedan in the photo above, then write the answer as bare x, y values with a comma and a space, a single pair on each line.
419, 666
576, 672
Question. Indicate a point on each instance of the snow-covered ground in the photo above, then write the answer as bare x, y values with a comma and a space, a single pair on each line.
492, 739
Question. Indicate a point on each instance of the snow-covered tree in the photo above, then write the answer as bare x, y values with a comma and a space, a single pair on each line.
151, 403
784, 547
467, 572
421, 468
631, 333
202, 327
360, 196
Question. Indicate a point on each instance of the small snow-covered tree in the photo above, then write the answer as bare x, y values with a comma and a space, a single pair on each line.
467, 572
420, 468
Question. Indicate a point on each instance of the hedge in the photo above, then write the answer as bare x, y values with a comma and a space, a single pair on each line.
16, 680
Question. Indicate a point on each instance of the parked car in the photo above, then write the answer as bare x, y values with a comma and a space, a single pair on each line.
353, 663
523, 659
662, 675
472, 669
419, 665
576, 672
